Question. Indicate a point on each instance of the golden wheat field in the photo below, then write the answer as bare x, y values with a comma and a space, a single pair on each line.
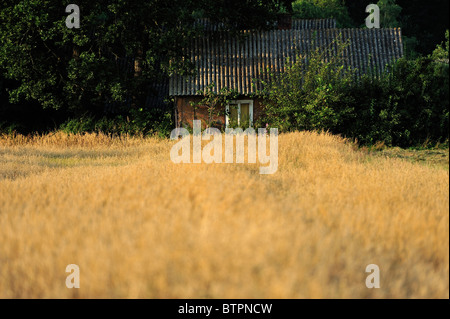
140, 226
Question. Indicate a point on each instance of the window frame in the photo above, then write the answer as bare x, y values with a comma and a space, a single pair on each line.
239, 102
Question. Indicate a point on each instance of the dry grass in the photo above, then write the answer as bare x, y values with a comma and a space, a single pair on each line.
140, 226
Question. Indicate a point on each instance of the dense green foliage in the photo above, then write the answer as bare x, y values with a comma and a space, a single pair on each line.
55, 77
407, 105
78, 69
311, 95
120, 49
422, 22
136, 122
321, 9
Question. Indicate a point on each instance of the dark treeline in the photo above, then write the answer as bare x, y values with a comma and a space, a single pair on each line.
423, 21
51, 74
53, 77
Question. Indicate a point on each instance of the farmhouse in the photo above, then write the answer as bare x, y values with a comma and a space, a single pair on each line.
238, 62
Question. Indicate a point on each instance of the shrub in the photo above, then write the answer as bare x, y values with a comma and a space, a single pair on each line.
136, 122
407, 105
311, 95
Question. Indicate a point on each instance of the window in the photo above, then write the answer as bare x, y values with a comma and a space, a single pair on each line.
239, 113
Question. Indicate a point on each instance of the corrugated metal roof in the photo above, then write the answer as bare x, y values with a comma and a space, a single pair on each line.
302, 24
234, 63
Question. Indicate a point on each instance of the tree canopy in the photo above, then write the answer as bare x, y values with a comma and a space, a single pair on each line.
80, 69
51, 75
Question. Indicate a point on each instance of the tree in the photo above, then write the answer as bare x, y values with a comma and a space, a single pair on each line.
80, 69
389, 13
426, 21
321, 9
119, 50
312, 93
248, 14
441, 52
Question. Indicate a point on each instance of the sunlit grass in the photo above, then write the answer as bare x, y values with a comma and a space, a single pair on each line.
140, 226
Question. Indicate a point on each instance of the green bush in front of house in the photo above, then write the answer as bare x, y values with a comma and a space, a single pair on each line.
408, 105
312, 95
136, 122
